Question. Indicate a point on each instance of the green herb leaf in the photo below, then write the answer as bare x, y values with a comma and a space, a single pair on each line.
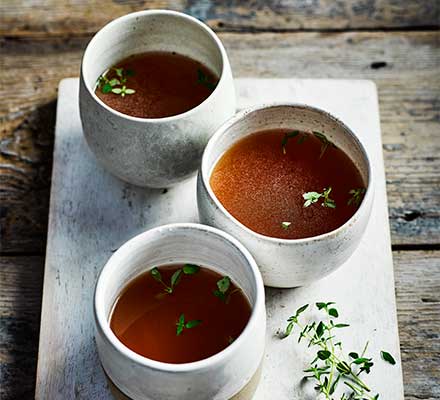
323, 354
223, 284
285, 225
180, 324
117, 90
342, 325
333, 312
193, 323
107, 88
156, 274
387, 357
325, 143
313, 197
286, 138
129, 91
353, 355
190, 269
175, 278
301, 309
356, 196
114, 82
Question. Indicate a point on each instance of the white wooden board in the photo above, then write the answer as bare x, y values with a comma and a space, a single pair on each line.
93, 213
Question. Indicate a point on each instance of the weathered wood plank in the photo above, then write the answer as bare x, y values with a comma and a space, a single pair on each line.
21, 282
417, 276
77, 17
404, 65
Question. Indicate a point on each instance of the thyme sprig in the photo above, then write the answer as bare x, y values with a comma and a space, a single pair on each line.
290, 135
187, 269
313, 197
222, 291
325, 143
330, 366
356, 196
116, 85
181, 324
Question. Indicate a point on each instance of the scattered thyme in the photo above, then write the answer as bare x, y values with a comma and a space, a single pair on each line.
356, 196
181, 324
330, 366
187, 269
115, 85
203, 79
313, 197
325, 143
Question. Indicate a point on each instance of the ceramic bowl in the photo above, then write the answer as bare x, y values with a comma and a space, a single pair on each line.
153, 152
296, 262
219, 377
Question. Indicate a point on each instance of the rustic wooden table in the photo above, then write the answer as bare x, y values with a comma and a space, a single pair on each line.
395, 43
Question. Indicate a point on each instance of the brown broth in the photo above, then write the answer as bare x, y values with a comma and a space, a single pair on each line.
263, 187
144, 317
165, 84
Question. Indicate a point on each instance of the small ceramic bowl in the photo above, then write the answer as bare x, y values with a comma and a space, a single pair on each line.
282, 262
153, 152
227, 374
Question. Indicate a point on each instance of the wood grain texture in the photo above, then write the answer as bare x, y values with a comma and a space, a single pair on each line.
79, 17
404, 65
21, 282
417, 276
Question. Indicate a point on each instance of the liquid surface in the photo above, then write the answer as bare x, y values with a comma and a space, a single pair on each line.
145, 316
262, 187
165, 84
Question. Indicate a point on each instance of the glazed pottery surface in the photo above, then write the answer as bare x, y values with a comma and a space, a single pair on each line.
163, 151
218, 377
296, 262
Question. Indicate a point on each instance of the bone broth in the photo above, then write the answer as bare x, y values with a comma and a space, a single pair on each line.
180, 313
288, 184
156, 85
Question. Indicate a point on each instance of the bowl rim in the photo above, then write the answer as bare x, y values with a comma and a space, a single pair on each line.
146, 13
205, 171
103, 323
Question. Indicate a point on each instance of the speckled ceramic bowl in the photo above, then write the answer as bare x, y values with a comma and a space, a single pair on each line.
296, 262
232, 373
153, 152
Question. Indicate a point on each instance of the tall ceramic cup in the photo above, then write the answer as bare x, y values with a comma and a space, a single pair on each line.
153, 152
232, 373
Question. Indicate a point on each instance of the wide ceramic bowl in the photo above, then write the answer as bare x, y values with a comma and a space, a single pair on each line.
232, 373
153, 152
282, 262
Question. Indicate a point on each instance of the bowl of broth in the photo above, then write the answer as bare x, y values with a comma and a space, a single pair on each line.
180, 313
293, 184
154, 86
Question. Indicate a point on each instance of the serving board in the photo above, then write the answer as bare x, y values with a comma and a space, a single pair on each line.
92, 214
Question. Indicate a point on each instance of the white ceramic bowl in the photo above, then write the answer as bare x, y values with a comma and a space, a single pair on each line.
296, 262
154, 152
218, 377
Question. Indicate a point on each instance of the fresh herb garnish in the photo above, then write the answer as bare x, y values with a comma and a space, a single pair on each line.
356, 196
115, 85
325, 143
187, 269
330, 366
285, 225
181, 324
222, 291
291, 135
203, 79
313, 197
387, 357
